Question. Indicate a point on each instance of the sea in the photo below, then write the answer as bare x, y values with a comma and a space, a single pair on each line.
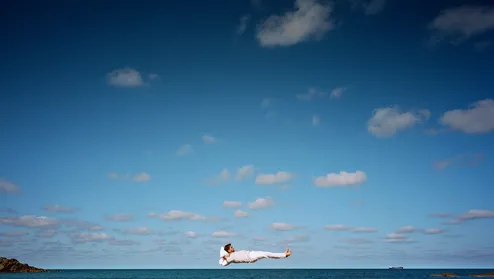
244, 274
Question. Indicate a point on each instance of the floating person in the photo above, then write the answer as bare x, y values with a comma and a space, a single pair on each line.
228, 255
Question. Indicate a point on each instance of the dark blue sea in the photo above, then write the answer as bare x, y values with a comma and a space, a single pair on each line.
245, 274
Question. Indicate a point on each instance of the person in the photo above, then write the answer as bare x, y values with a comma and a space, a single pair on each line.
244, 256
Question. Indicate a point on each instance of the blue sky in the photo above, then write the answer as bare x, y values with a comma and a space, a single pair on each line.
148, 134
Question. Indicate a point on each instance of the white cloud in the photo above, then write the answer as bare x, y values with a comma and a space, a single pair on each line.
90, 237
190, 234
125, 77
153, 76
459, 160
241, 214
477, 119
8, 186
397, 238
80, 224
336, 93
357, 240
46, 233
309, 20
433, 231
58, 208
315, 120
477, 214
244, 172
232, 204
209, 139
185, 149
386, 122
139, 231
364, 230
406, 229
244, 20
337, 228
223, 234
342, 179
138, 177
311, 94
119, 217
279, 177
374, 7
176, 215
141, 177
223, 176
29, 221
463, 22
283, 227
261, 203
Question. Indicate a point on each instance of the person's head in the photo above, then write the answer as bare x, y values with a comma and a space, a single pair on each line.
229, 248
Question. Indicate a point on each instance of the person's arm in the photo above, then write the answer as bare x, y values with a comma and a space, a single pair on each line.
224, 261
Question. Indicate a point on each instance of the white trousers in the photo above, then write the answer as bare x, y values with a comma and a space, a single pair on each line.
257, 255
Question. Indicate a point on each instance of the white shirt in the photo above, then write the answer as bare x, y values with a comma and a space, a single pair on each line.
241, 256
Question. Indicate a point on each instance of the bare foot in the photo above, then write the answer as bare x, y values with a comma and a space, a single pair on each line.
288, 252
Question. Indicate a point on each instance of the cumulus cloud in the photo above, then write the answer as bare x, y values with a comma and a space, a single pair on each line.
316, 120
89, 237
209, 139
241, 214
222, 177
138, 177
244, 172
80, 224
232, 204
477, 214
477, 119
338, 227
58, 209
340, 179
283, 227
8, 186
141, 177
261, 203
461, 23
309, 20
433, 231
139, 231
242, 26
336, 93
406, 229
397, 238
356, 240
119, 217
364, 230
125, 77
184, 149
386, 122
223, 234
279, 177
459, 160
177, 215
191, 234
46, 233
29, 221
311, 94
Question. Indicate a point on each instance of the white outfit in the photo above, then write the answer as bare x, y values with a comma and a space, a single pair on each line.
244, 256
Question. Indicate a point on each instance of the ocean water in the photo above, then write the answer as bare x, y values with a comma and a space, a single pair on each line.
244, 274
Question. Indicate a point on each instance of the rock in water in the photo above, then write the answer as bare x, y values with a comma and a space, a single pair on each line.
13, 265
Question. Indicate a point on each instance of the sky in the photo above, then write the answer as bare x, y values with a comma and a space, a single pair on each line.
358, 133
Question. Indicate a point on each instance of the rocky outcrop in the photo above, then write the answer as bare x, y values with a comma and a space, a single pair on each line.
13, 265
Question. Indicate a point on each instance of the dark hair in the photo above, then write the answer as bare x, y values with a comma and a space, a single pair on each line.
227, 247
